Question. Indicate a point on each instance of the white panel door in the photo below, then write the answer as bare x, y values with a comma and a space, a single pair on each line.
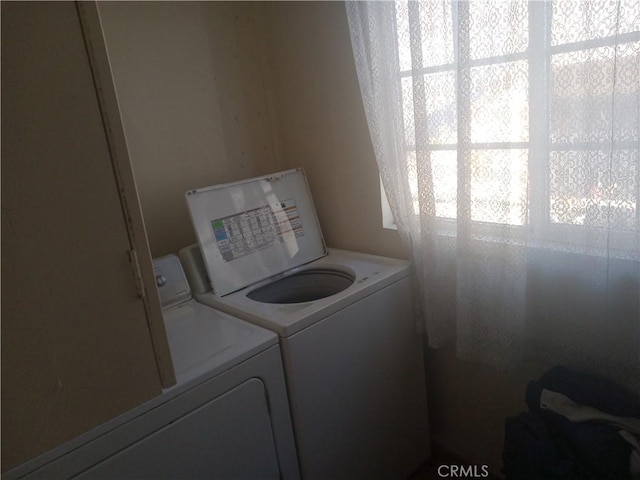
76, 345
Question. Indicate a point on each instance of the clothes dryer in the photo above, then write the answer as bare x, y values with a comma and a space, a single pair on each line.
353, 360
226, 417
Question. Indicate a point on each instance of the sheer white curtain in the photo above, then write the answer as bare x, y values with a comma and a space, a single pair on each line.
506, 135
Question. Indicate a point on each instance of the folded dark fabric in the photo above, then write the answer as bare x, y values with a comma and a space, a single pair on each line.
585, 389
542, 444
531, 453
597, 448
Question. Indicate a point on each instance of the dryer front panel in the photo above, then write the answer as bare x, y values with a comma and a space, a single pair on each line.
228, 437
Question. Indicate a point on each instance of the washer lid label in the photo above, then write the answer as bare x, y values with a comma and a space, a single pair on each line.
257, 229
254, 229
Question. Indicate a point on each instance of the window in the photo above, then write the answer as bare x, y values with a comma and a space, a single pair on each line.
520, 109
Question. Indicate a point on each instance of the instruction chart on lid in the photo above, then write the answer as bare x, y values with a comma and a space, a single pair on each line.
242, 234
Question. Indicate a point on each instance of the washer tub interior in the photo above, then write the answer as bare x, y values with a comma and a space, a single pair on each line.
303, 286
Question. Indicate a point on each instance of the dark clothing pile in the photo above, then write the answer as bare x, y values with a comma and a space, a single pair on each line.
545, 445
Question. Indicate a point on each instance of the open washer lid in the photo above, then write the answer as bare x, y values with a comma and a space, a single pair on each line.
254, 229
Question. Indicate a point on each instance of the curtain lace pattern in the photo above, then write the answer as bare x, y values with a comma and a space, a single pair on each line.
506, 135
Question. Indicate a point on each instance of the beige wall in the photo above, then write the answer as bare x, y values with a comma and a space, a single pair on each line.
194, 106
321, 122
218, 91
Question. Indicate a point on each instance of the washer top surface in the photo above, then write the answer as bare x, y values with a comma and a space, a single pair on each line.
370, 273
254, 229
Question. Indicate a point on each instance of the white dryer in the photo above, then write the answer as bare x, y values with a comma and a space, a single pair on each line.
353, 360
227, 417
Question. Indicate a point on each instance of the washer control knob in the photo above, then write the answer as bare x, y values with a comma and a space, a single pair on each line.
161, 280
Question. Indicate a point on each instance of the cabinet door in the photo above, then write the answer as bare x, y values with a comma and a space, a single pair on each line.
76, 344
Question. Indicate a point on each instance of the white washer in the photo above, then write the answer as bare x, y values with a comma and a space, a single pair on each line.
227, 417
352, 357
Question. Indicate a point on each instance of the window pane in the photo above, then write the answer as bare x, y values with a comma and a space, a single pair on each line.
403, 36
591, 94
594, 188
445, 182
499, 180
500, 103
436, 34
585, 101
442, 111
412, 174
580, 20
498, 28
445, 188
437, 119
407, 111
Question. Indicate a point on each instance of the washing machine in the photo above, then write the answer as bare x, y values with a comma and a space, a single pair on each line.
352, 357
227, 417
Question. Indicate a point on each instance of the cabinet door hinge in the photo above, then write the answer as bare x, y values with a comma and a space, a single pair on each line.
137, 273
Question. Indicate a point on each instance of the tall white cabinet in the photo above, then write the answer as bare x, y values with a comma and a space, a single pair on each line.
82, 332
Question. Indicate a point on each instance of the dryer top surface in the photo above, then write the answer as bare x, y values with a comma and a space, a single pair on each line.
204, 341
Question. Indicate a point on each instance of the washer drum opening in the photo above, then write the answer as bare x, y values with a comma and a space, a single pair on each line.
304, 286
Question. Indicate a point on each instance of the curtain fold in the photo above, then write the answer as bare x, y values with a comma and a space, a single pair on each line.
506, 136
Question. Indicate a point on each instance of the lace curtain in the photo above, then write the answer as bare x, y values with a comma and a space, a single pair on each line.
506, 135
